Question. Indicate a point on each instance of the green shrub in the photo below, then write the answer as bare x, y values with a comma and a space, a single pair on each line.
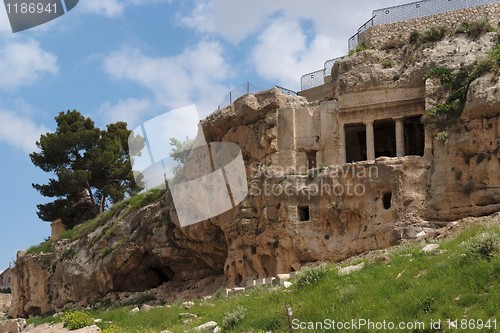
429, 191
232, 318
68, 254
414, 37
474, 29
387, 63
434, 34
458, 82
443, 73
45, 247
483, 246
110, 248
442, 136
310, 277
495, 55
360, 47
76, 319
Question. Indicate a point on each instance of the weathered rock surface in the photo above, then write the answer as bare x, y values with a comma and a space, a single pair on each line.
12, 325
5, 300
147, 254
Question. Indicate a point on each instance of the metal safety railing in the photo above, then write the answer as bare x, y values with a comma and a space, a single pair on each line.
317, 78
391, 15
413, 10
245, 89
354, 40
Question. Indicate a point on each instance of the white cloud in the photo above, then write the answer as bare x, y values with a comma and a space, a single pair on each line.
24, 63
193, 77
293, 37
19, 131
279, 57
131, 111
237, 19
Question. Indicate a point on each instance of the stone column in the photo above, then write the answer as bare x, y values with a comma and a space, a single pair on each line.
341, 144
400, 136
286, 155
370, 141
428, 142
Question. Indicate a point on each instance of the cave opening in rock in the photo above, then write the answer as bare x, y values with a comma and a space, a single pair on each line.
355, 143
143, 278
311, 159
303, 213
414, 136
387, 200
239, 280
384, 138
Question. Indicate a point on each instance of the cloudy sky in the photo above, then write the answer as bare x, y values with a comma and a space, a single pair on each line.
131, 60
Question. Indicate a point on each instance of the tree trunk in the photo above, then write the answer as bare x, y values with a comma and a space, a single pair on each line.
91, 195
103, 203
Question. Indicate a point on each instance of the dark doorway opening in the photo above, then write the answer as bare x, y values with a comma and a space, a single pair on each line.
385, 138
355, 142
387, 200
311, 159
414, 136
303, 213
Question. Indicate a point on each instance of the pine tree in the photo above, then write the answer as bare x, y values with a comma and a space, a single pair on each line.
90, 167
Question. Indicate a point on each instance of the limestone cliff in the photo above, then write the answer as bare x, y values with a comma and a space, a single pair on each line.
294, 216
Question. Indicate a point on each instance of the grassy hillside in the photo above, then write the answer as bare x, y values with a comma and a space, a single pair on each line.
459, 281
121, 209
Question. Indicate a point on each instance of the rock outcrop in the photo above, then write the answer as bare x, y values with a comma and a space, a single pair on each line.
289, 218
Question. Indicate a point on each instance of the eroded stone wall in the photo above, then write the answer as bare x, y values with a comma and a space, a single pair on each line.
380, 36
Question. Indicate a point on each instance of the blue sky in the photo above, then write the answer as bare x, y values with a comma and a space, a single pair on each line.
131, 60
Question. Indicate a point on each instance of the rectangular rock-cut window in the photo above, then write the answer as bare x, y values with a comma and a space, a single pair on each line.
311, 159
355, 143
414, 136
303, 213
385, 138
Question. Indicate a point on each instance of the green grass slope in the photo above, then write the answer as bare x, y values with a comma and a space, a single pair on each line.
460, 281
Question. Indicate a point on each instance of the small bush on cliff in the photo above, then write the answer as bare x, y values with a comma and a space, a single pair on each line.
360, 47
474, 29
495, 54
45, 247
76, 319
459, 81
387, 63
442, 136
414, 37
434, 34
